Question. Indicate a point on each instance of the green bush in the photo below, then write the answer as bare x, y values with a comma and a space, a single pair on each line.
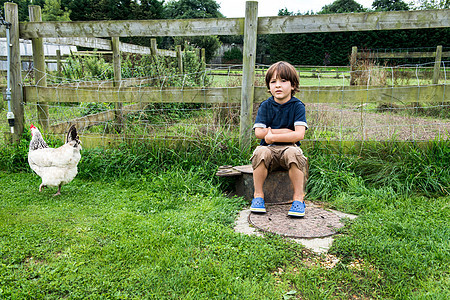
234, 55
90, 108
162, 71
87, 68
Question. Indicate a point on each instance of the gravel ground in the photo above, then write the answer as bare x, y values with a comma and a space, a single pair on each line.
330, 121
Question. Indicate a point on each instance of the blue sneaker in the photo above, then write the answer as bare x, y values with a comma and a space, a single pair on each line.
258, 205
297, 209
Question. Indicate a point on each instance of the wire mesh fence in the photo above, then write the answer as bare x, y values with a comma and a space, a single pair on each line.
389, 103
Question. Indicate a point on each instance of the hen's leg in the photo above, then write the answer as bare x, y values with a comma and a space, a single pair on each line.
41, 187
59, 191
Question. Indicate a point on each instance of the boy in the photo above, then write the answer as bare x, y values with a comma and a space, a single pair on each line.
280, 124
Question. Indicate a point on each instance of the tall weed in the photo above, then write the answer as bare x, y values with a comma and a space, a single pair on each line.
407, 167
204, 155
403, 168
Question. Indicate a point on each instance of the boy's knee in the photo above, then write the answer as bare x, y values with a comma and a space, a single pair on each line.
261, 154
294, 155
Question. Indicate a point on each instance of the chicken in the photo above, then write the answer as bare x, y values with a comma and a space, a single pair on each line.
55, 166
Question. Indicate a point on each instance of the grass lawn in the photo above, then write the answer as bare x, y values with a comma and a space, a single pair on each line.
167, 233
125, 240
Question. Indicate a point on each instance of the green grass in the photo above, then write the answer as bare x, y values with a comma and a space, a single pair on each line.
121, 240
152, 222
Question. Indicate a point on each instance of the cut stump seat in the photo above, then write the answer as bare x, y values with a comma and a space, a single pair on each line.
317, 223
277, 187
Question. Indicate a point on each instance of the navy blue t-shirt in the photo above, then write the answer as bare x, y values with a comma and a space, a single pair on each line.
274, 115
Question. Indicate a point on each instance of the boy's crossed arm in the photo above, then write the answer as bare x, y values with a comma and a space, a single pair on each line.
282, 135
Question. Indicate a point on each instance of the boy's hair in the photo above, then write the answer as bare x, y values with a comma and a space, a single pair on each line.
285, 71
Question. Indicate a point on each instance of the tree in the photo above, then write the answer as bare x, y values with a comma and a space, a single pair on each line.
92, 10
53, 12
196, 9
342, 6
81, 10
430, 4
286, 12
389, 5
193, 9
147, 9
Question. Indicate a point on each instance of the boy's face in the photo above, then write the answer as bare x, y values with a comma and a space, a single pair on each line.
280, 89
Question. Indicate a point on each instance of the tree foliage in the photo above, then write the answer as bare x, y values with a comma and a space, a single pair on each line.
342, 6
148, 10
197, 9
91, 10
193, 9
233, 55
53, 12
431, 4
389, 5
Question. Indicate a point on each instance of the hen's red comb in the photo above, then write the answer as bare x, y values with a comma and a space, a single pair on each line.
32, 127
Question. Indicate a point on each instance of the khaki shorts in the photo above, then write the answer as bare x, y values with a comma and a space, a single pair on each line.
280, 157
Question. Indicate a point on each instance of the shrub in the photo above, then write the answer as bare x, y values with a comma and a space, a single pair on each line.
87, 68
233, 56
162, 71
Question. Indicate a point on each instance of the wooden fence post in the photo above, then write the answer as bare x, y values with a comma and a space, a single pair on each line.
58, 63
153, 47
353, 60
198, 53
437, 65
203, 56
248, 74
179, 59
115, 45
154, 54
12, 16
40, 78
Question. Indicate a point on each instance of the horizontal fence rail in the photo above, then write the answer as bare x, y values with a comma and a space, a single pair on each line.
393, 20
328, 94
125, 28
374, 54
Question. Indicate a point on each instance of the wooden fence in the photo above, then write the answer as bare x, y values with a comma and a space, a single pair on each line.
249, 26
103, 48
437, 55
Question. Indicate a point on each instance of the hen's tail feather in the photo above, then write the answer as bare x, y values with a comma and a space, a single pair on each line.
72, 135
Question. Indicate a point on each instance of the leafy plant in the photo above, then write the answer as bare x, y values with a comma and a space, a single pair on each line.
233, 55
89, 108
87, 68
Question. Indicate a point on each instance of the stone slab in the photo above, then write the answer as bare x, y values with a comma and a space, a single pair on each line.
317, 244
316, 223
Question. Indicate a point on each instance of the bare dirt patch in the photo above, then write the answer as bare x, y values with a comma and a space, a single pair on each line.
335, 122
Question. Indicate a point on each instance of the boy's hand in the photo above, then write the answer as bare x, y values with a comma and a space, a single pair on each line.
269, 136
